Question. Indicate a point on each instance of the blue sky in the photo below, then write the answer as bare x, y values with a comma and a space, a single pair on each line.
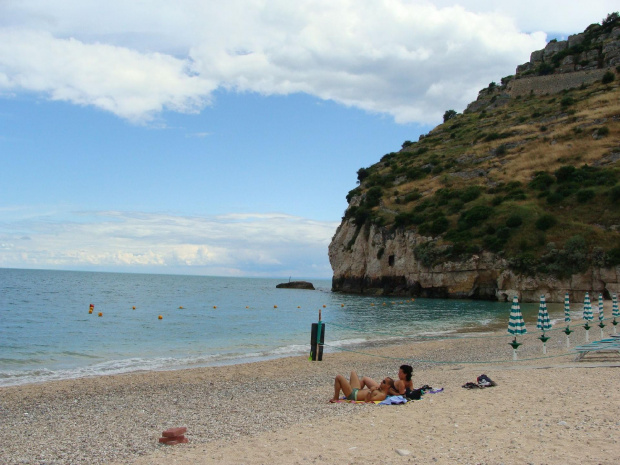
222, 139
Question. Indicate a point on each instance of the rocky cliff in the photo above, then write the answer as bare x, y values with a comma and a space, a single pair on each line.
418, 200
380, 262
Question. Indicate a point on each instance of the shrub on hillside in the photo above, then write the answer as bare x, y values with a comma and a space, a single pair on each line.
373, 196
554, 198
412, 196
542, 180
545, 222
448, 115
585, 195
427, 254
514, 221
362, 174
608, 77
474, 216
612, 257
565, 173
439, 226
567, 101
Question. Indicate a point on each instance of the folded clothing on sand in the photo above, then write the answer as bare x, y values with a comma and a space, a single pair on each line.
482, 381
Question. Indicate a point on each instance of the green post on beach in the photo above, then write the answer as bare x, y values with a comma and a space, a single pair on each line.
317, 338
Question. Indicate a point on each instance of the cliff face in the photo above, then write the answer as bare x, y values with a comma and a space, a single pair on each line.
397, 207
375, 261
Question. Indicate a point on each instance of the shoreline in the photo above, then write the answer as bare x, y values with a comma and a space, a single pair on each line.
264, 412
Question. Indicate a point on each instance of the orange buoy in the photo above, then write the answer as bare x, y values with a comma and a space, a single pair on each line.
275, 306
215, 306
247, 306
323, 306
90, 311
160, 317
181, 307
133, 308
100, 314
342, 305
298, 306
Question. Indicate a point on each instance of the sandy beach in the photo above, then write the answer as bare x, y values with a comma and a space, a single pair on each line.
543, 411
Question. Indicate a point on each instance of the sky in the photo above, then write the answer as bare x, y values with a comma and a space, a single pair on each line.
221, 138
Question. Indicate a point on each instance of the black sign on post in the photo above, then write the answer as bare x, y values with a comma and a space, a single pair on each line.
316, 347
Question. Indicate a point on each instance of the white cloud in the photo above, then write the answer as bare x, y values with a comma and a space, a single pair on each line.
248, 245
411, 59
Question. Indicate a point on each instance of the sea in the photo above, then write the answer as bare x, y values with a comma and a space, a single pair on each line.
146, 322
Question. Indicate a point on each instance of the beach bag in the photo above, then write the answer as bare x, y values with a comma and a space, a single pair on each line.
413, 394
485, 381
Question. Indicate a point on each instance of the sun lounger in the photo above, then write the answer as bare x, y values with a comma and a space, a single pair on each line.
611, 344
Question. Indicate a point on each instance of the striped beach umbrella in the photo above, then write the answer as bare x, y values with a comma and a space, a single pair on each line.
587, 315
567, 330
614, 310
543, 323
601, 313
587, 308
516, 325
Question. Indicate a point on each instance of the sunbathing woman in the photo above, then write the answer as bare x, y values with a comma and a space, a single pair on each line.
401, 386
353, 389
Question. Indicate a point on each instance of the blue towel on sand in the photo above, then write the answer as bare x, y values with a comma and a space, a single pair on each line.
393, 400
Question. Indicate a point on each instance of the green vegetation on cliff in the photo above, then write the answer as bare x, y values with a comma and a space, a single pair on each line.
534, 179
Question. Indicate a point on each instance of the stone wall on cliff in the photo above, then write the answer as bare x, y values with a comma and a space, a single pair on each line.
375, 261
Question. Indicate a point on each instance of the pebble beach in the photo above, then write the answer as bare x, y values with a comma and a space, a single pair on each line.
543, 410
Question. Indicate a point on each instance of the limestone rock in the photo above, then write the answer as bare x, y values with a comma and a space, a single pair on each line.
296, 285
375, 261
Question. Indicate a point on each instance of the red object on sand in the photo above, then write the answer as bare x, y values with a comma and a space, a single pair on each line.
174, 440
172, 432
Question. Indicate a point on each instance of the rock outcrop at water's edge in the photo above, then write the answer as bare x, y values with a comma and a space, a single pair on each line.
374, 261
296, 285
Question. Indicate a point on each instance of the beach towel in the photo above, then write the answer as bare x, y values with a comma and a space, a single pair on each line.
393, 400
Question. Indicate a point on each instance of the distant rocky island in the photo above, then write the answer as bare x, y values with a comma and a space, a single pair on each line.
518, 195
296, 285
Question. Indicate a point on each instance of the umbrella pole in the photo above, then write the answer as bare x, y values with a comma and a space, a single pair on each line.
567, 331
514, 345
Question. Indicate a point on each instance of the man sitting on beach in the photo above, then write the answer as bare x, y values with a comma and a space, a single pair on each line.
353, 389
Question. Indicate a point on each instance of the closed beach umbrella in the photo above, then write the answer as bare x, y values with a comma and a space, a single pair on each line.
566, 309
567, 330
614, 310
587, 314
543, 323
601, 313
516, 325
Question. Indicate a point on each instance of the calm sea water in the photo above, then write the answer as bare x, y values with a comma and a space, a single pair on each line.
46, 332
